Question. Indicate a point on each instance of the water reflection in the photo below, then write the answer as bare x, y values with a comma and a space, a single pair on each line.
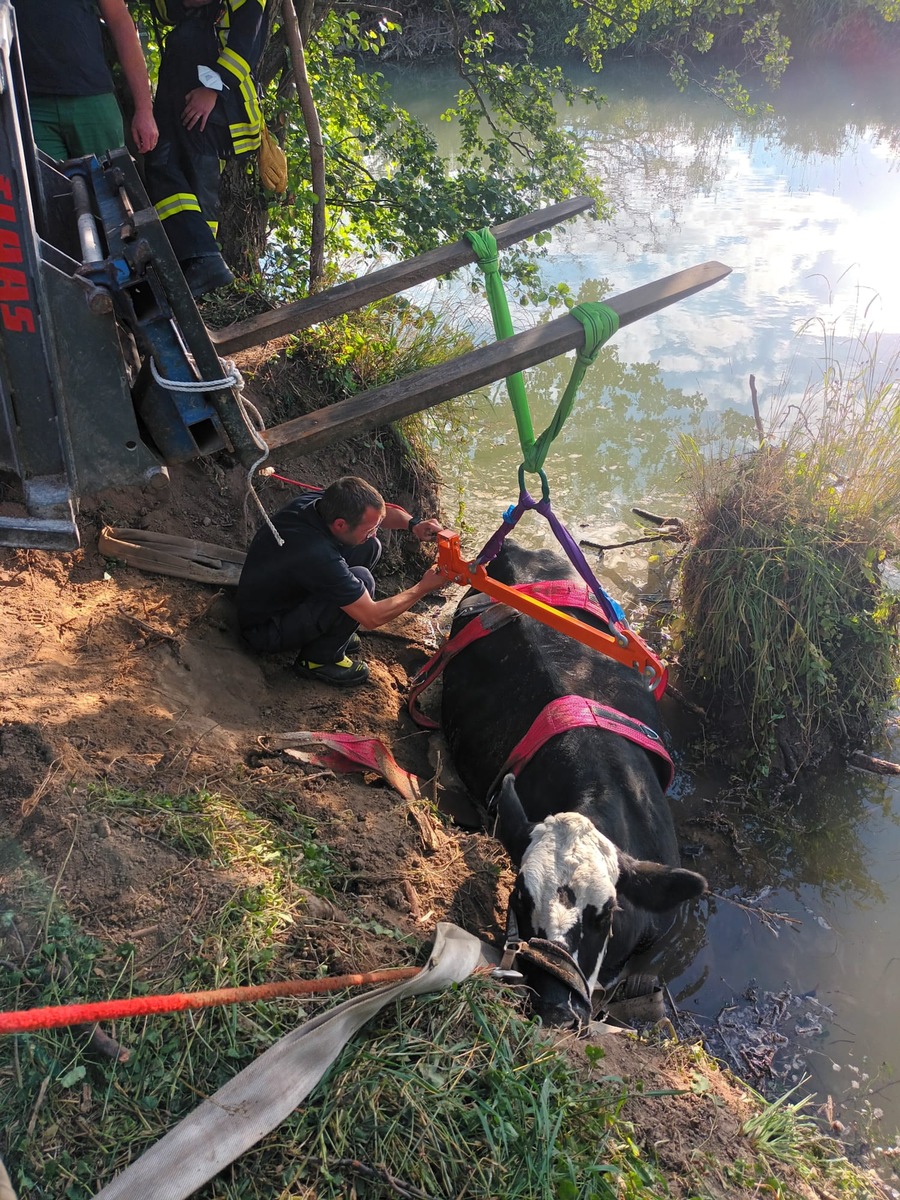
800, 204
831, 864
619, 447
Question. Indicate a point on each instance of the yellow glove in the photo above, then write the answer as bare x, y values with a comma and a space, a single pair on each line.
272, 164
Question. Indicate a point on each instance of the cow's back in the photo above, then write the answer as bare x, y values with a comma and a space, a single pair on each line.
497, 686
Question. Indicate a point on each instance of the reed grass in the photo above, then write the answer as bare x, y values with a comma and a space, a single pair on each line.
790, 632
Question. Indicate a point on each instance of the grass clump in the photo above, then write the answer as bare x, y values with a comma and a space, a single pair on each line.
790, 631
375, 345
454, 1095
448, 1095
785, 1131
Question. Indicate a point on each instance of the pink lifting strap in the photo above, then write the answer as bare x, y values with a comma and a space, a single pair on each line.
576, 712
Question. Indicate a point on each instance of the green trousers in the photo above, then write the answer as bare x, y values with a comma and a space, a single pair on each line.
70, 126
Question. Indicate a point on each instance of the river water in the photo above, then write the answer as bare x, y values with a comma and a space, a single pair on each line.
803, 206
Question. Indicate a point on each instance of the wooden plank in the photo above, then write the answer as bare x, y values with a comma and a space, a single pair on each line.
386, 282
424, 389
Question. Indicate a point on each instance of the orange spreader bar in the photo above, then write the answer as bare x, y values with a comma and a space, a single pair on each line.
633, 653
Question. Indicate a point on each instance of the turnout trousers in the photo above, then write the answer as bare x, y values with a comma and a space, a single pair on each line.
183, 170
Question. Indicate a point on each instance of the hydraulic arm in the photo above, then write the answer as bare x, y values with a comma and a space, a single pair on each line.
107, 372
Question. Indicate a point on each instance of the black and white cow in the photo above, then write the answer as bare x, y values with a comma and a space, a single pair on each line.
586, 822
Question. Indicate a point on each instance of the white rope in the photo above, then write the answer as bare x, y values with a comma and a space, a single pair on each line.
234, 379
250, 410
251, 414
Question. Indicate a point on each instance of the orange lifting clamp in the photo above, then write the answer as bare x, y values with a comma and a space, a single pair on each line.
628, 648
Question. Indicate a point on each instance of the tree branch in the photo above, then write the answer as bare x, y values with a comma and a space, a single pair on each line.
314, 133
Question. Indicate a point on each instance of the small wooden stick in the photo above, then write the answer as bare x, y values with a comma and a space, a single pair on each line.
101, 1043
766, 915
672, 690
146, 627
656, 537
650, 518
756, 417
406, 1191
878, 766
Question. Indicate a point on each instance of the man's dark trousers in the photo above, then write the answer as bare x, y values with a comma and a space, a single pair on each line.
316, 629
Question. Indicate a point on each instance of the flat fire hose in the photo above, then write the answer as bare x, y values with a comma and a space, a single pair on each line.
6, 1189
264, 1094
166, 554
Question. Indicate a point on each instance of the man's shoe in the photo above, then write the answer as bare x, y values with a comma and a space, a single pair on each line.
206, 274
355, 642
345, 673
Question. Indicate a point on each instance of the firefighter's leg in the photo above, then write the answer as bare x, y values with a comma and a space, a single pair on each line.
206, 272
183, 182
176, 202
177, 191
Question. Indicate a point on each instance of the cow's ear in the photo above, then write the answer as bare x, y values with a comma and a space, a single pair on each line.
513, 827
655, 887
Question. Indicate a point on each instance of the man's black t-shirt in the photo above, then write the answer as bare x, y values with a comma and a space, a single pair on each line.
276, 579
62, 48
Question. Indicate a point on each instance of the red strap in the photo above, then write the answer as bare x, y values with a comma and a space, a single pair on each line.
349, 752
576, 712
433, 669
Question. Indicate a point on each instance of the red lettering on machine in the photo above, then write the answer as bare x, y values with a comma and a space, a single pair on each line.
16, 317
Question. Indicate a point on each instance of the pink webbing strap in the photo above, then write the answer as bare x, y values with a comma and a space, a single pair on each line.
563, 593
575, 712
432, 670
570, 593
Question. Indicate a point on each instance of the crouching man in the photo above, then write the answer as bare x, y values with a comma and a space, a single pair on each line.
313, 593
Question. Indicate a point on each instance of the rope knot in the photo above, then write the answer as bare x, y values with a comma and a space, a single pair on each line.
484, 244
232, 378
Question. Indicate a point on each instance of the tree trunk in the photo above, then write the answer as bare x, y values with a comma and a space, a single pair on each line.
243, 216
314, 132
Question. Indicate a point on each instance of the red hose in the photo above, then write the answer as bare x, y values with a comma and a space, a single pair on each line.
314, 487
107, 1010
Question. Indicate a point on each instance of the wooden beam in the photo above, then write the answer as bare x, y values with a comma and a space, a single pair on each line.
386, 282
486, 365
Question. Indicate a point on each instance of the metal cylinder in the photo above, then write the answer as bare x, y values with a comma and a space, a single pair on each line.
88, 234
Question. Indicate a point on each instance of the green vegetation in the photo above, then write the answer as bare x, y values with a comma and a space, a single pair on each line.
456, 1095
217, 829
371, 346
451, 1095
387, 188
389, 191
790, 631
782, 1129
448, 1096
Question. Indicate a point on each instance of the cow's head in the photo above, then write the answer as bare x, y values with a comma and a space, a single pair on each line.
569, 879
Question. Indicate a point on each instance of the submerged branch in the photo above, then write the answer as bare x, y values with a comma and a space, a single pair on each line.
766, 915
878, 766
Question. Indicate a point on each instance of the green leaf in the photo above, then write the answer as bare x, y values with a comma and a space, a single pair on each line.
73, 1076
